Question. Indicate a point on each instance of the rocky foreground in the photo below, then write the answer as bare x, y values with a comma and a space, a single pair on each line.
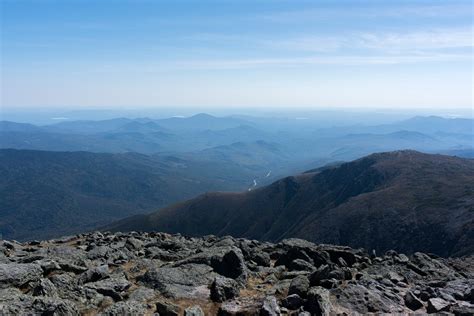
157, 273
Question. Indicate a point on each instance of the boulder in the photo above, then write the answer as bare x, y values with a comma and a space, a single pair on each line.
113, 287
94, 274
45, 288
436, 305
299, 286
19, 274
318, 302
412, 302
223, 289
322, 273
180, 281
292, 302
300, 265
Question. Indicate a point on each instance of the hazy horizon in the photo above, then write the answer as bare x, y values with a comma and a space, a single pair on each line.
344, 116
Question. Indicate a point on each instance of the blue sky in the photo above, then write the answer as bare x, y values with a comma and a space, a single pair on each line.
313, 54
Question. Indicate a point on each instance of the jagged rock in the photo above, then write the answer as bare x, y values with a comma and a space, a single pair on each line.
133, 244
49, 266
318, 301
167, 309
223, 289
226, 261
45, 288
94, 274
193, 311
125, 308
463, 309
293, 301
300, 265
18, 274
70, 267
412, 302
110, 287
270, 307
322, 273
299, 285
231, 264
261, 259
142, 294
436, 305
180, 281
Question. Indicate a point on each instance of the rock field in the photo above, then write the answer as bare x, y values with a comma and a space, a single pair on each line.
161, 274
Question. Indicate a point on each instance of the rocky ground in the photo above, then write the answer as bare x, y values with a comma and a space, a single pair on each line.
156, 273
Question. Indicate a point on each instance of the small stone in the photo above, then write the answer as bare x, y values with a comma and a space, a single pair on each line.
270, 307
193, 311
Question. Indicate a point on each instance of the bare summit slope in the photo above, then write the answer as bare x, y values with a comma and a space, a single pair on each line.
403, 200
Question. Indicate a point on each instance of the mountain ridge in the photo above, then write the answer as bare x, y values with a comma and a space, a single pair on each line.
401, 193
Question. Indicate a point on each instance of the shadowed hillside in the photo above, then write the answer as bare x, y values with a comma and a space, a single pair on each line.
402, 200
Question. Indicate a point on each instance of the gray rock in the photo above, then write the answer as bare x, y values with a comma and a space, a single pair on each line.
412, 302
18, 274
270, 307
45, 288
223, 289
133, 244
167, 309
261, 259
142, 294
54, 307
181, 281
299, 285
125, 308
436, 305
251, 306
193, 311
293, 301
322, 273
318, 302
300, 265
94, 274
112, 287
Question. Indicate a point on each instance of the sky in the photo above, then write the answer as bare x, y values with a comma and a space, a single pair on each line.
255, 54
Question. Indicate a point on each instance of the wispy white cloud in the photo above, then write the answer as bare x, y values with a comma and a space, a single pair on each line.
433, 39
372, 11
318, 60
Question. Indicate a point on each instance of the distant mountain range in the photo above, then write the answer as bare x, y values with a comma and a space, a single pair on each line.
302, 142
403, 200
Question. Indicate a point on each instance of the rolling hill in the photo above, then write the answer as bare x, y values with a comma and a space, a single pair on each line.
403, 200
